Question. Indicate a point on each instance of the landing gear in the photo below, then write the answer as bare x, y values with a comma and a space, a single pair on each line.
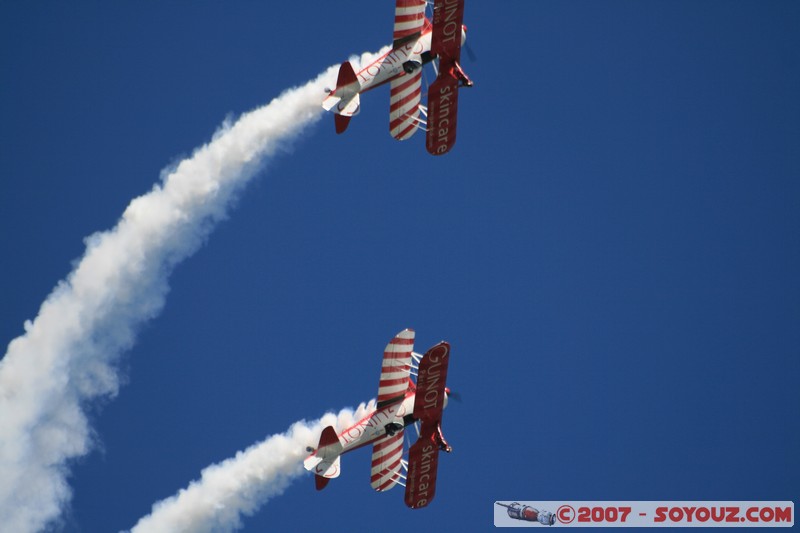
461, 76
438, 437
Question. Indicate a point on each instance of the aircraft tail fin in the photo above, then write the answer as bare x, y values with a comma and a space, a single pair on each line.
329, 442
325, 461
347, 79
325, 470
344, 101
341, 122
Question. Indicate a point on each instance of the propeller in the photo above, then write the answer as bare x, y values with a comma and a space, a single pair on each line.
455, 396
470, 54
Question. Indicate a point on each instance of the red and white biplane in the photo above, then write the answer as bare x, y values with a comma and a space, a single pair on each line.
401, 403
417, 41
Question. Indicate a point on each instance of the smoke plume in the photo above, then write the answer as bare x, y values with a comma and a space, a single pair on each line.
240, 485
68, 355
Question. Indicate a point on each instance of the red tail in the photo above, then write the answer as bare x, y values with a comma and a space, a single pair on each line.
341, 122
347, 76
347, 88
328, 450
328, 437
321, 482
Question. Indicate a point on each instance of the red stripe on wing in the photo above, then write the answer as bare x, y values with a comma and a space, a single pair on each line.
398, 86
387, 470
407, 132
414, 95
398, 356
382, 444
393, 382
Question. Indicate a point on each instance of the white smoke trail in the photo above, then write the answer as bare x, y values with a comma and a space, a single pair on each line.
69, 352
240, 485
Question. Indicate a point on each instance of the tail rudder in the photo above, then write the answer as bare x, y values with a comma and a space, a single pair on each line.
344, 101
321, 482
328, 448
347, 79
341, 122
329, 440
325, 461
326, 470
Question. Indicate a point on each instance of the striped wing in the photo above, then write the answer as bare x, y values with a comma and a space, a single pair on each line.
409, 18
395, 368
405, 95
386, 455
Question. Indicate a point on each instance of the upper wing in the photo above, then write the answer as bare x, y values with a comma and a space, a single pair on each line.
409, 18
431, 381
448, 17
423, 456
405, 95
406, 91
395, 368
386, 454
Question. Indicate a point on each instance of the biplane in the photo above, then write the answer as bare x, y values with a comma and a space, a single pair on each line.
401, 403
417, 41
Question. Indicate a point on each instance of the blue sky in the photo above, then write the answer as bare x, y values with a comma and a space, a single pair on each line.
611, 248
